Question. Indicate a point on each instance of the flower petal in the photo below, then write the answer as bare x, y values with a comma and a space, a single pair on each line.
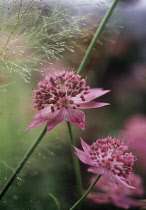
42, 117
36, 122
118, 200
99, 197
116, 180
94, 93
76, 117
85, 146
96, 170
90, 105
46, 112
56, 119
120, 181
125, 202
83, 156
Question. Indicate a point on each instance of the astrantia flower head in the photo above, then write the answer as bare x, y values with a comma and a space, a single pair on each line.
60, 96
108, 157
120, 196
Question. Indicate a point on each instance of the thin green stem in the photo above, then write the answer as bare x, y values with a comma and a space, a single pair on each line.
21, 164
82, 65
86, 193
75, 162
96, 36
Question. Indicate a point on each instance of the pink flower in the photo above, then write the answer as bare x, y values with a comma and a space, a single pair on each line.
60, 96
106, 193
134, 130
107, 157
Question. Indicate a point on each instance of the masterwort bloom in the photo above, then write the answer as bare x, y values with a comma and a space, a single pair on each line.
108, 157
123, 197
134, 130
60, 96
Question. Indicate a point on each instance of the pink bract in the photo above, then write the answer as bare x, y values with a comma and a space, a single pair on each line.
109, 158
106, 193
60, 96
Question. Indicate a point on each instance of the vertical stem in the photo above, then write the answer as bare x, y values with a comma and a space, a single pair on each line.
79, 71
21, 164
96, 36
86, 193
75, 162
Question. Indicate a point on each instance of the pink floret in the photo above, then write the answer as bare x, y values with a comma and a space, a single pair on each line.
60, 96
105, 193
109, 158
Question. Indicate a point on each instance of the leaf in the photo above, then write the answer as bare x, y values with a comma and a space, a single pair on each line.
55, 201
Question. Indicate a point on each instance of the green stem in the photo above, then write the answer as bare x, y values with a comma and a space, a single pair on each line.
75, 162
82, 65
96, 36
21, 164
86, 193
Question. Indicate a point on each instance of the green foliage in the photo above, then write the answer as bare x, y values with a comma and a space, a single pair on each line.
33, 33
53, 203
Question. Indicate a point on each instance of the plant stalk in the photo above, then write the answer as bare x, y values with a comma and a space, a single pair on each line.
96, 36
75, 162
86, 193
21, 164
79, 71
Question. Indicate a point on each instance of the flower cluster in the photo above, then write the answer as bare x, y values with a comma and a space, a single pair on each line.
60, 96
108, 157
105, 193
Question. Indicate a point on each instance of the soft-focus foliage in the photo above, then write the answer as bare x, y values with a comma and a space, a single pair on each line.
33, 33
